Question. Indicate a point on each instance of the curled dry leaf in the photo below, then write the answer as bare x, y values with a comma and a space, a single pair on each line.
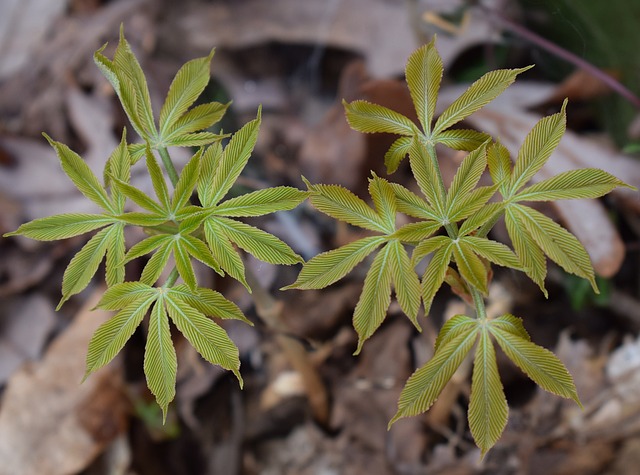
49, 423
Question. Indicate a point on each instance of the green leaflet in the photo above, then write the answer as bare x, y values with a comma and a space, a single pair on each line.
499, 163
340, 203
115, 256
118, 166
455, 326
154, 267
160, 361
261, 202
124, 294
462, 139
412, 205
374, 299
396, 153
331, 266
81, 175
471, 203
198, 118
405, 281
384, 201
484, 214
61, 226
434, 274
511, 324
417, 232
488, 409
426, 175
187, 85
209, 302
85, 263
209, 163
424, 73
537, 148
186, 183
571, 185
479, 94
467, 177
366, 117
425, 385
233, 160
530, 254
539, 364
493, 251
559, 244
257, 242
141, 199
224, 253
157, 180
211, 341
470, 266
427, 246
112, 335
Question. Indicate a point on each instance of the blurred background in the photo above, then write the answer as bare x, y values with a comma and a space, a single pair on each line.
309, 407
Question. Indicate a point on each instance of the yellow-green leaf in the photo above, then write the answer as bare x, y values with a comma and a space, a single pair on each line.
183, 263
199, 118
471, 203
125, 294
199, 250
61, 226
571, 185
428, 246
209, 164
187, 85
426, 175
209, 339
467, 176
412, 205
425, 385
370, 118
493, 251
209, 302
160, 362
375, 297
261, 202
462, 139
511, 324
224, 252
479, 94
416, 232
396, 153
405, 281
434, 274
384, 201
157, 180
542, 366
186, 183
112, 335
488, 409
486, 213
538, 146
156, 264
454, 327
114, 268
424, 73
470, 266
118, 166
331, 266
559, 244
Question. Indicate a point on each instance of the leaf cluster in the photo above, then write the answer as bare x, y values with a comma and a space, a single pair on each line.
450, 228
179, 232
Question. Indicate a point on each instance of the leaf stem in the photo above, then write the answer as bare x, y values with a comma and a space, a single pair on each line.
168, 165
478, 302
489, 224
171, 280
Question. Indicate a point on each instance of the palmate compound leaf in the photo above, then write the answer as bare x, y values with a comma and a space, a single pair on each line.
479, 94
542, 366
556, 242
425, 385
160, 361
424, 73
488, 410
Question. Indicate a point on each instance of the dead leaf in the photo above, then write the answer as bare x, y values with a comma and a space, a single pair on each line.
49, 422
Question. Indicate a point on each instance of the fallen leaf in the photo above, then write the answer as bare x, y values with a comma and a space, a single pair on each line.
49, 422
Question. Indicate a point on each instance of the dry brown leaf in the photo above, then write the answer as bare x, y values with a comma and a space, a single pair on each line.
49, 422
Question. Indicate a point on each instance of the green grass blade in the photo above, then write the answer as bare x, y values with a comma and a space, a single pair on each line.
331, 266
375, 298
160, 361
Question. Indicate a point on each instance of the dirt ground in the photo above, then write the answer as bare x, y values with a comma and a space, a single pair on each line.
309, 407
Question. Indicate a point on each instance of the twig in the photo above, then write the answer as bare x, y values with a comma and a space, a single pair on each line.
560, 52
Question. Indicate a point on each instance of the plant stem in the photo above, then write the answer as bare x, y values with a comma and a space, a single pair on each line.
168, 165
478, 302
171, 280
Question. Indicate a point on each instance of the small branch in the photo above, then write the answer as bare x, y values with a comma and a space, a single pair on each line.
478, 301
168, 165
560, 52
